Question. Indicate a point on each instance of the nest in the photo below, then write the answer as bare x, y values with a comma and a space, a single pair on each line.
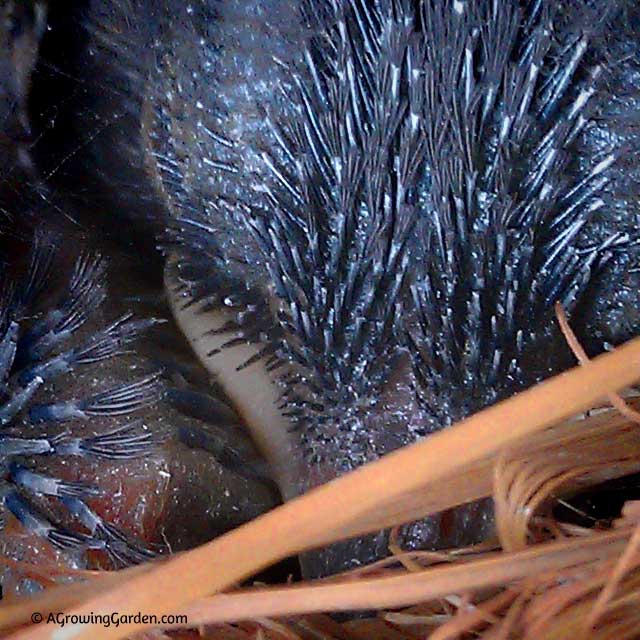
542, 577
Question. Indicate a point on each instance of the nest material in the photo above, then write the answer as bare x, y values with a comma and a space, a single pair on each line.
542, 578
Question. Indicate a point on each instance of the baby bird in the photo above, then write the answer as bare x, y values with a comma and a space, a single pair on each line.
370, 207
106, 437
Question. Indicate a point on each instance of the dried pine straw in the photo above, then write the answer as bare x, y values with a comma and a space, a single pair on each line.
542, 579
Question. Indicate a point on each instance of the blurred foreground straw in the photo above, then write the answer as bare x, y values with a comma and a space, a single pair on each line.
507, 450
